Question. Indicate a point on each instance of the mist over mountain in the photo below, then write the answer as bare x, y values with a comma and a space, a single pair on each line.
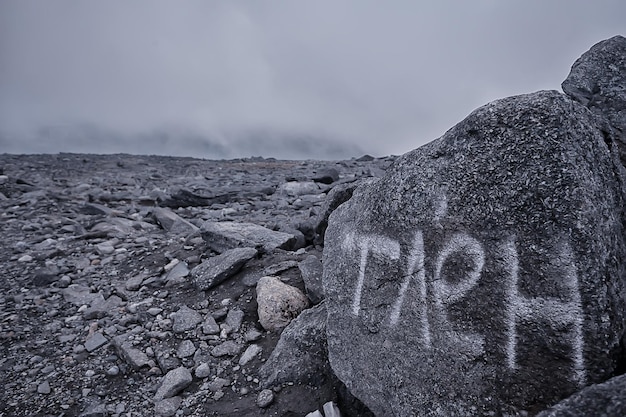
86, 138
321, 79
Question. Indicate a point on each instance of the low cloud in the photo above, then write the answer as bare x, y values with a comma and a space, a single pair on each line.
319, 79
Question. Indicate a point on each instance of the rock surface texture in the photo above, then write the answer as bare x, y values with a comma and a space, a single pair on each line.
598, 81
485, 272
607, 399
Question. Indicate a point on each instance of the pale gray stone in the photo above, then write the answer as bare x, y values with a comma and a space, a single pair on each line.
172, 222
185, 349
265, 398
221, 236
249, 354
234, 318
133, 356
173, 382
95, 341
278, 303
185, 319
227, 348
167, 407
203, 370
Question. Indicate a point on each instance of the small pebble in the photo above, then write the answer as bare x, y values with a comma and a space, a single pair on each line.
113, 371
265, 398
44, 388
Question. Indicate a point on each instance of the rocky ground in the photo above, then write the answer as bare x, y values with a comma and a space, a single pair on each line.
103, 309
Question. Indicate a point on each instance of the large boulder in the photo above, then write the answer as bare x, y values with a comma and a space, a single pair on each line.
484, 274
598, 81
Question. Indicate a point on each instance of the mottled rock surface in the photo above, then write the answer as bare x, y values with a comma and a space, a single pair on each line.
485, 272
278, 303
598, 81
301, 355
607, 399
221, 236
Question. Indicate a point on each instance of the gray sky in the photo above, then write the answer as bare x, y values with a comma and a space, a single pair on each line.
293, 79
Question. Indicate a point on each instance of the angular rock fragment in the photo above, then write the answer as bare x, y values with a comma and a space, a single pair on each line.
173, 382
185, 319
301, 355
486, 271
95, 341
278, 303
296, 188
172, 222
338, 195
221, 236
227, 348
311, 269
167, 407
250, 353
131, 355
217, 269
326, 176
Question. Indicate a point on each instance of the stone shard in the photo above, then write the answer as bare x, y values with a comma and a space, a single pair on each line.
173, 382
218, 269
221, 236
485, 272
338, 195
598, 81
606, 399
131, 355
185, 319
311, 269
300, 356
172, 222
278, 303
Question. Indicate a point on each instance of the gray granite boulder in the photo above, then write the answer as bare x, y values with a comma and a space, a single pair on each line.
607, 399
598, 81
484, 274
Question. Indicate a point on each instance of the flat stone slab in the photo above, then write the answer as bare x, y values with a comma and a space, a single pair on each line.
218, 269
221, 236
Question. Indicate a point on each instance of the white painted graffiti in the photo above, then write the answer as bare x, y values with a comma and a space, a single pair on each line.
519, 310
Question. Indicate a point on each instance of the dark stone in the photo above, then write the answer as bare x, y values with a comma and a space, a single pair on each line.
300, 356
485, 272
337, 196
312, 270
607, 399
219, 268
43, 279
598, 81
186, 198
326, 176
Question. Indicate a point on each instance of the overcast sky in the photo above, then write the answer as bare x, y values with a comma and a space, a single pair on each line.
292, 79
